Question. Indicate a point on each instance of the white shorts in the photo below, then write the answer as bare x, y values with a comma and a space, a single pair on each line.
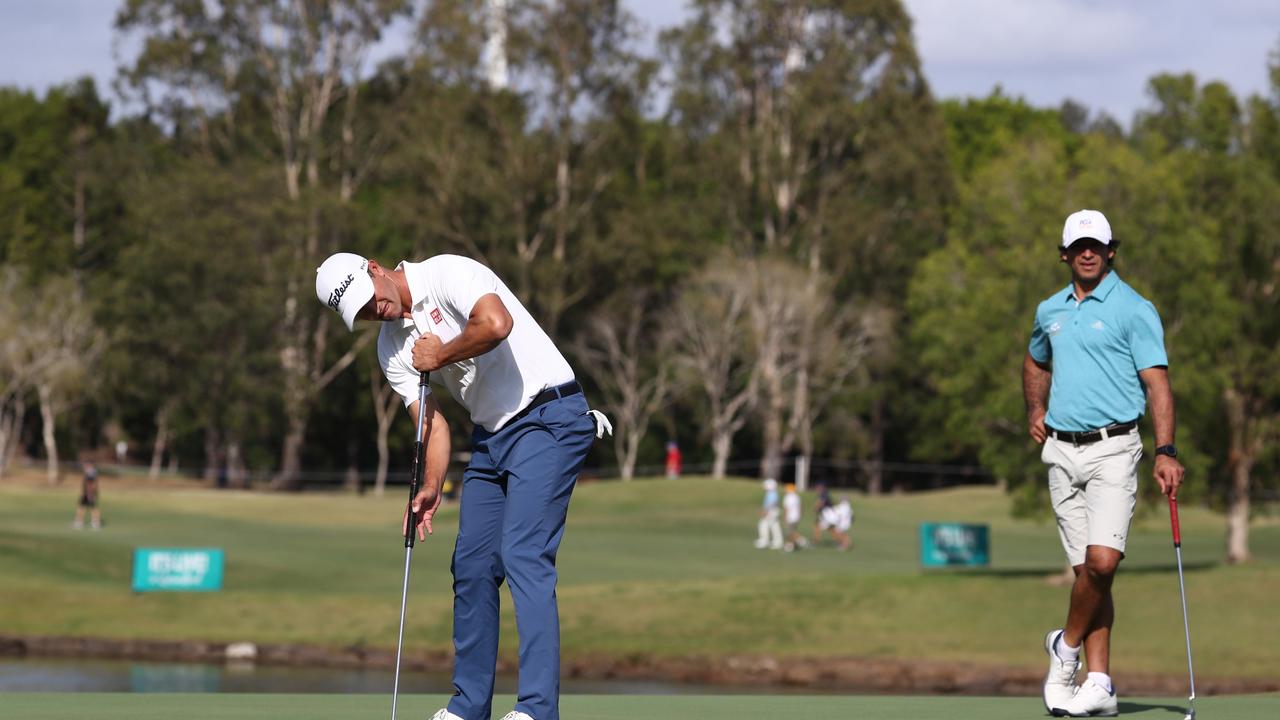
1094, 489
832, 518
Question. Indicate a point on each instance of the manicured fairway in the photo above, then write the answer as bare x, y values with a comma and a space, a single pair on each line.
649, 567
602, 707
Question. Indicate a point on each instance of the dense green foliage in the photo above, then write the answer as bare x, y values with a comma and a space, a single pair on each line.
889, 250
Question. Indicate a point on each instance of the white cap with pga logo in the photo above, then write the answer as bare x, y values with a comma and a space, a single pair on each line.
343, 284
1086, 224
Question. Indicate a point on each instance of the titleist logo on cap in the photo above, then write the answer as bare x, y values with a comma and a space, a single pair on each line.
335, 297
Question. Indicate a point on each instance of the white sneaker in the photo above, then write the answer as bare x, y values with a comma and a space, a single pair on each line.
444, 714
1060, 683
514, 715
1091, 700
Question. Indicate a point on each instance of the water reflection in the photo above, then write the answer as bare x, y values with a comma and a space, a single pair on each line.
77, 675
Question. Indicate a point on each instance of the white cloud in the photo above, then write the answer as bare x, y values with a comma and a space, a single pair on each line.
1095, 52
1098, 52
998, 34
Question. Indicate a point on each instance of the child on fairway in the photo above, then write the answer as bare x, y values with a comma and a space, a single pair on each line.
88, 499
769, 529
837, 519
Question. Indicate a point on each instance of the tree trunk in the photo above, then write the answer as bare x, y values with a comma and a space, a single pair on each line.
289, 477
1240, 459
384, 402
19, 423
237, 476
8, 423
628, 467
875, 469
1238, 515
351, 481
384, 457
721, 444
212, 453
48, 419
771, 460
161, 443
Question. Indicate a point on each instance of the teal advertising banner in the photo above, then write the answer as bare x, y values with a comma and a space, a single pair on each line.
954, 544
189, 569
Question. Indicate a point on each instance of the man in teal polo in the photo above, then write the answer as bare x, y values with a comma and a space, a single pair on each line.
1095, 361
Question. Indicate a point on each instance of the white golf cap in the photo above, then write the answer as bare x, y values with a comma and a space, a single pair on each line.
1086, 224
770, 484
343, 283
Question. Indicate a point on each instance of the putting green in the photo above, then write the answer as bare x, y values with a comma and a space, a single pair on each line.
124, 706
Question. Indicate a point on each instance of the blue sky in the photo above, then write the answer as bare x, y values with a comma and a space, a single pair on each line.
1096, 52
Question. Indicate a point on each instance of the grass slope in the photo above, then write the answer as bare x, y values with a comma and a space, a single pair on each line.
601, 707
656, 567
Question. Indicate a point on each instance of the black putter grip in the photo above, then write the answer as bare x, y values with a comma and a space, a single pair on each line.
414, 484
416, 468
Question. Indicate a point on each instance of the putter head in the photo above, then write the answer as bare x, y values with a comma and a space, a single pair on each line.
1191, 715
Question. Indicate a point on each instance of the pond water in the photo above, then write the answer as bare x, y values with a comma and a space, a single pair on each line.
80, 675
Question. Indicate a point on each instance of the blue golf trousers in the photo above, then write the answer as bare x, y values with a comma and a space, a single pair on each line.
515, 495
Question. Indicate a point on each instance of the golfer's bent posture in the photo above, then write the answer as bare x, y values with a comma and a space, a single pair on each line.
453, 317
1097, 354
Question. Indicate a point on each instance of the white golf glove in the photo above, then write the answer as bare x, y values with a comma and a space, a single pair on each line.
602, 423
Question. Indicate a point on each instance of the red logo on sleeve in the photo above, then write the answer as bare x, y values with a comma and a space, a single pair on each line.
436, 316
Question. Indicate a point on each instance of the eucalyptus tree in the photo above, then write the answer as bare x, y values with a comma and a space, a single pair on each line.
525, 99
710, 322
628, 352
191, 306
1225, 152
822, 145
299, 65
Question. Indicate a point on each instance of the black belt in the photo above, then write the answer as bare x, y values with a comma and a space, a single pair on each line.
1092, 436
560, 391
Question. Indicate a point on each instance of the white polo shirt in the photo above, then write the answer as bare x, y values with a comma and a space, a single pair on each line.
791, 507
492, 387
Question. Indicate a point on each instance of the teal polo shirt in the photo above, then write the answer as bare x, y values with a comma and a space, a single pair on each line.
1097, 347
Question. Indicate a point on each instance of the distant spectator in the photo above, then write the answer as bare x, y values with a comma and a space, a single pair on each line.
822, 502
770, 530
675, 462
88, 499
791, 509
122, 451
837, 519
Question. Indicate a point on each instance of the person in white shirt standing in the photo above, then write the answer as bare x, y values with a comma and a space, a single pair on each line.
791, 508
454, 318
769, 530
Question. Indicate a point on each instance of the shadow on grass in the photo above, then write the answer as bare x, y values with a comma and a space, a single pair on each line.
1127, 708
1051, 571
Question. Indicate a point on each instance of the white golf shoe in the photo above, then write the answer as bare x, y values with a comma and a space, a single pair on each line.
1060, 683
1091, 700
516, 715
444, 714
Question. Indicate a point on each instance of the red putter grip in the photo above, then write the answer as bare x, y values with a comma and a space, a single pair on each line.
1173, 517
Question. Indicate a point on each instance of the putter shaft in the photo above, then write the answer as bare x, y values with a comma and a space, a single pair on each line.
411, 518
404, 597
1186, 626
1182, 592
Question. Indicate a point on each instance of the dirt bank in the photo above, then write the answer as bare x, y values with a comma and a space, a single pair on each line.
854, 674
